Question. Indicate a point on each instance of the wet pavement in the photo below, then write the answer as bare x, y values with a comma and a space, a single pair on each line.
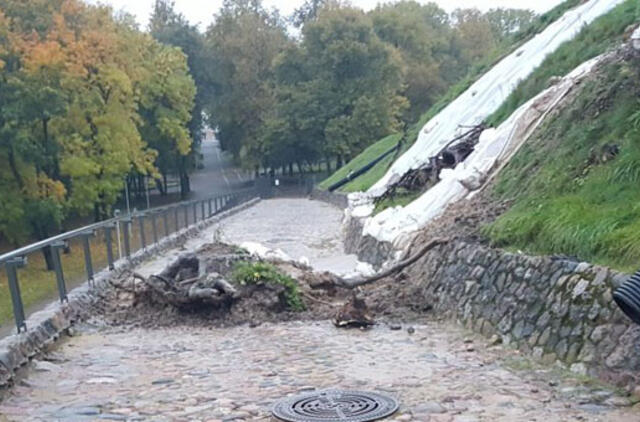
218, 174
437, 370
438, 373
299, 227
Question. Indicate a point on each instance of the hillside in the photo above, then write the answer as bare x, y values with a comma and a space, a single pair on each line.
574, 186
594, 38
561, 159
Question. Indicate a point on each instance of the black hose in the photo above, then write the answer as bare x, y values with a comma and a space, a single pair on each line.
363, 169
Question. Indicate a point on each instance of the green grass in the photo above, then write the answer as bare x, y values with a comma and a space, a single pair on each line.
602, 34
246, 273
562, 203
38, 286
368, 179
361, 160
399, 199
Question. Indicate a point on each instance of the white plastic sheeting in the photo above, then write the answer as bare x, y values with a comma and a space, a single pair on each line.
494, 149
490, 91
635, 38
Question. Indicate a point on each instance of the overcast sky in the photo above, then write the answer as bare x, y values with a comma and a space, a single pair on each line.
201, 12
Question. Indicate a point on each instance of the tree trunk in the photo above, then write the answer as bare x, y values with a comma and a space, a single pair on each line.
48, 257
161, 187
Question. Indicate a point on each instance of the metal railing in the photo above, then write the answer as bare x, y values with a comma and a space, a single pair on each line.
152, 226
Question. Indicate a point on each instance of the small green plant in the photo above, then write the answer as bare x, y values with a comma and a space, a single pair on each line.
247, 273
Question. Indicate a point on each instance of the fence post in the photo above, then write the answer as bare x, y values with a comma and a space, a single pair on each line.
107, 238
14, 288
195, 212
57, 265
143, 237
186, 215
204, 216
165, 219
88, 264
153, 227
177, 212
210, 214
127, 240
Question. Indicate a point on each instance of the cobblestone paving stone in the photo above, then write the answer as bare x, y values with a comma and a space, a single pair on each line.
235, 374
299, 227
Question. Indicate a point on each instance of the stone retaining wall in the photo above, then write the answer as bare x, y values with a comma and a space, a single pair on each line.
338, 199
556, 310
44, 327
366, 248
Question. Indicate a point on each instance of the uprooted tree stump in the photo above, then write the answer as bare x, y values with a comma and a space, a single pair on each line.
187, 283
219, 282
198, 283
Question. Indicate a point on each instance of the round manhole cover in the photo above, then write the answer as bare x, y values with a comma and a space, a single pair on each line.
335, 405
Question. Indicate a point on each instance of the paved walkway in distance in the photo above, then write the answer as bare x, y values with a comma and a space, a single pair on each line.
439, 373
218, 174
299, 227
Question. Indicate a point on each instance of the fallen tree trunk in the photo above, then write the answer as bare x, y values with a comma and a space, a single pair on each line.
357, 282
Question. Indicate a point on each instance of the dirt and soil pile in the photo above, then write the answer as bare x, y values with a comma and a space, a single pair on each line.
204, 288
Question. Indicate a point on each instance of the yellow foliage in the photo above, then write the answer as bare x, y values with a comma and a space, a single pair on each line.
43, 54
50, 189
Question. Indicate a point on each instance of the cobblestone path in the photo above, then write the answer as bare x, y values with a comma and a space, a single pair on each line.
178, 374
299, 227
440, 372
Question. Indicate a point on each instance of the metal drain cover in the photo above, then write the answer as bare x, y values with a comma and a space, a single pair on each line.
335, 405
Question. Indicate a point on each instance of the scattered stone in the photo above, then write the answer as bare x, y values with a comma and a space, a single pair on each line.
163, 381
411, 330
429, 407
495, 340
101, 380
44, 366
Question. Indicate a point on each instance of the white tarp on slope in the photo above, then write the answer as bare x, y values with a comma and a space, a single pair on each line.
494, 148
490, 91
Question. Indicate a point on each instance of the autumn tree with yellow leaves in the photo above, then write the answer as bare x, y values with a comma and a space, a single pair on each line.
85, 100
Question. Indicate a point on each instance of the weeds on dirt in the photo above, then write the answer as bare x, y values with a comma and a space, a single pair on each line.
247, 273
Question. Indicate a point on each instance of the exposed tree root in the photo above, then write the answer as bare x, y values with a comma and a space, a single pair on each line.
357, 282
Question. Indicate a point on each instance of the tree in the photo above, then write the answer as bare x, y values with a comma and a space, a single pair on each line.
242, 42
170, 27
473, 38
337, 91
79, 92
506, 22
421, 35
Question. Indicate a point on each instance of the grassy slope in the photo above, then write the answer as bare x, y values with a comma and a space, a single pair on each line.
563, 204
367, 180
593, 40
360, 160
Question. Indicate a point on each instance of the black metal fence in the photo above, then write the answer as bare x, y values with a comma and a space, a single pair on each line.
103, 243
